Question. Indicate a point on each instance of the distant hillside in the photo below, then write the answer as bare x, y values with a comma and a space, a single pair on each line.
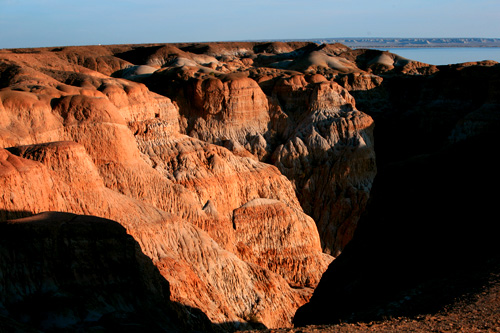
411, 42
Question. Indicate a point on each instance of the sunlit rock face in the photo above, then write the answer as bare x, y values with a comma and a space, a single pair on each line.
280, 104
240, 169
191, 160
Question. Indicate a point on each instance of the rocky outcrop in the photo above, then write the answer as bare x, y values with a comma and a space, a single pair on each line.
351, 137
70, 183
332, 172
282, 239
222, 109
265, 119
83, 142
329, 155
203, 275
236, 166
225, 289
26, 187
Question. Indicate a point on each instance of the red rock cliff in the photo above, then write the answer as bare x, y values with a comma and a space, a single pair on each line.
83, 142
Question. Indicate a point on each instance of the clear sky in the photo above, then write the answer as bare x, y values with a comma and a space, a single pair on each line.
35, 23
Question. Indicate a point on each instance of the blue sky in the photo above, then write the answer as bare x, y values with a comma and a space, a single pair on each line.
35, 23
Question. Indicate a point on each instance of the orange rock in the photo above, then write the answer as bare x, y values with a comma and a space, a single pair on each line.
228, 109
91, 144
329, 155
187, 257
282, 239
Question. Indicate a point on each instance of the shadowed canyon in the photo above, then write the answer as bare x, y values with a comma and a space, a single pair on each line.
232, 186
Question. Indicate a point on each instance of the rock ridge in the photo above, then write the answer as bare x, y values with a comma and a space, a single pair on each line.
79, 139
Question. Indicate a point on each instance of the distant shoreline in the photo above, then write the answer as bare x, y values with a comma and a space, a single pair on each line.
363, 42
352, 42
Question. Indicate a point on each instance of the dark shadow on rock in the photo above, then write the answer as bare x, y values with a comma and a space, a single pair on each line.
238, 326
429, 234
415, 114
67, 272
138, 55
6, 214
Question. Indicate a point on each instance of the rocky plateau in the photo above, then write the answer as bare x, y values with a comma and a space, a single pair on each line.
232, 186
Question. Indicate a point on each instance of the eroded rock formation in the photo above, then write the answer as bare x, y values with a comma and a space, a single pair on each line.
82, 141
279, 103
237, 167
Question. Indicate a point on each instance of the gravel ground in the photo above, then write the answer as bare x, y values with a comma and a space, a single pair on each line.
473, 313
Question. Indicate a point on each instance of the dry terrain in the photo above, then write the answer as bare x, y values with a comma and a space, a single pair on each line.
266, 185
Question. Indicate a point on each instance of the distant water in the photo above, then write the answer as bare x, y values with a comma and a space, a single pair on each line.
448, 55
